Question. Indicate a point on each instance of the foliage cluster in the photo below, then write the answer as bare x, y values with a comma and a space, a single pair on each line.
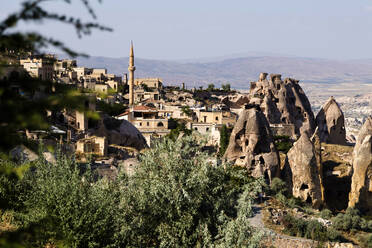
210, 87
111, 109
326, 214
224, 139
147, 88
180, 128
351, 220
283, 143
366, 241
186, 110
175, 198
311, 229
226, 87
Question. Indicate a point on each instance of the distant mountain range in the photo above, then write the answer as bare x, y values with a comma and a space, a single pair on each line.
239, 71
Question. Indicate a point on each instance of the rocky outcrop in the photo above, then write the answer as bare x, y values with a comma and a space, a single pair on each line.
251, 144
23, 154
331, 123
303, 163
361, 181
235, 102
283, 102
120, 132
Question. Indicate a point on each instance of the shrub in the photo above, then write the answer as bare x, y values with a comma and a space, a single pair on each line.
316, 231
351, 220
281, 198
368, 242
224, 139
75, 208
292, 203
369, 225
309, 229
283, 143
175, 198
278, 186
326, 214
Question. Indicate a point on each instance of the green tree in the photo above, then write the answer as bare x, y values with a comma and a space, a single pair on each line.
224, 139
278, 186
226, 87
175, 198
186, 110
210, 87
83, 212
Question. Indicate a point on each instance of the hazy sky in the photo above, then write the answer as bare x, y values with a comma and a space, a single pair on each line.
183, 29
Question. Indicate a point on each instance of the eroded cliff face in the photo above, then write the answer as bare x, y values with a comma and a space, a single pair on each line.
283, 102
251, 144
361, 181
330, 122
304, 166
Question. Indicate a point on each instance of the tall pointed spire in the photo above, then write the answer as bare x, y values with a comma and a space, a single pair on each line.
131, 54
131, 69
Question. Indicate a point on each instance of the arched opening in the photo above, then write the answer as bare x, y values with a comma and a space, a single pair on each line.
160, 124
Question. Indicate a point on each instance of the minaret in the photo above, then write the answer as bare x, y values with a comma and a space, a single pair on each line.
131, 70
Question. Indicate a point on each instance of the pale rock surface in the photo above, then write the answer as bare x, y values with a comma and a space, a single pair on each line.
251, 144
303, 162
361, 182
283, 102
235, 101
23, 154
331, 123
121, 133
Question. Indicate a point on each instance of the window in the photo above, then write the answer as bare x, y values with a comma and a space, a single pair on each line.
207, 129
140, 123
148, 123
196, 128
160, 124
216, 118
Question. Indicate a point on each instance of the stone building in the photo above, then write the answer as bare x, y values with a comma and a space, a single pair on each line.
102, 88
154, 83
211, 130
141, 94
147, 121
92, 145
39, 67
216, 117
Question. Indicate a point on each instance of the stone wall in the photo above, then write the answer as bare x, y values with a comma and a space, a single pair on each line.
283, 129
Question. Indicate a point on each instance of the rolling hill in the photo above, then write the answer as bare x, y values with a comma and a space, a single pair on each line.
239, 71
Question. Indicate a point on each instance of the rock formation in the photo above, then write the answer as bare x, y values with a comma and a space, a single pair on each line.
361, 181
251, 144
303, 162
330, 122
121, 133
236, 102
283, 102
22, 154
